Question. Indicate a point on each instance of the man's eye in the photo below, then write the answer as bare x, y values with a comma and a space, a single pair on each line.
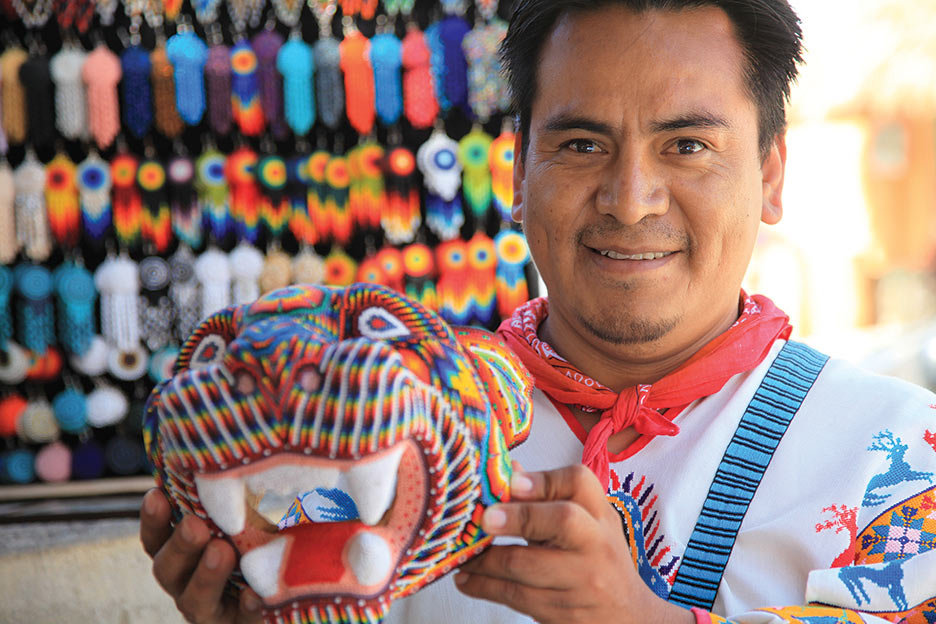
583, 146
687, 147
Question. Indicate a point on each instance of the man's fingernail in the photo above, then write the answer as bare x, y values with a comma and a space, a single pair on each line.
494, 518
212, 558
251, 603
521, 484
461, 578
188, 533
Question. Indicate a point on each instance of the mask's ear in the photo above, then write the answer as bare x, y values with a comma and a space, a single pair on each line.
507, 383
209, 342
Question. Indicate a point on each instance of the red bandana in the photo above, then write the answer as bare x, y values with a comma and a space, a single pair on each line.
741, 348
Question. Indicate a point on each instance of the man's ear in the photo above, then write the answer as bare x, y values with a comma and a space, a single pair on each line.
773, 169
516, 210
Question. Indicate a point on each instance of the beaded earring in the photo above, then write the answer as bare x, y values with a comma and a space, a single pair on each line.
512, 258
61, 195
391, 262
4, 144
76, 297
296, 65
288, 12
101, 73
105, 10
6, 319
127, 203
94, 195
452, 31
359, 81
244, 196
473, 153
218, 86
419, 92
402, 217
452, 287
35, 320
340, 268
419, 275
117, 280
366, 8
246, 265
137, 98
93, 363
308, 267
297, 192
71, 114
318, 194
32, 223
213, 194
338, 182
366, 192
155, 305
184, 209
214, 276
267, 45
70, 407
369, 271
36, 79
386, 57
501, 160
276, 272
482, 262
53, 462
14, 96
245, 90
438, 161
487, 90
34, 14
37, 425
106, 406
274, 204
156, 222
183, 291
188, 55
9, 245
166, 115
329, 90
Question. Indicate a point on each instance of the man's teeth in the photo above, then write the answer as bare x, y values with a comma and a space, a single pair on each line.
371, 484
655, 255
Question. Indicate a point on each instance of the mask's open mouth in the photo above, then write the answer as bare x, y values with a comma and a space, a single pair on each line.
356, 521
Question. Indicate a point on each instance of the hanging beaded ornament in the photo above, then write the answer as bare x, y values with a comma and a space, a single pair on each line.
402, 218
45, 367
71, 410
365, 8
35, 317
366, 193
274, 204
74, 13
318, 194
206, 11
188, 55
444, 218
137, 98
501, 161
161, 364
244, 13
369, 271
14, 96
487, 9
359, 81
6, 318
511, 283
155, 305
34, 13
246, 265
14, 364
127, 203
419, 275
391, 263
277, 271
101, 73
296, 64
244, 195
118, 282
214, 276
288, 12
308, 267
76, 298
266, 46
245, 90
105, 10
166, 115
438, 161
37, 82
340, 268
474, 155
184, 208
419, 93
452, 287
218, 86
329, 86
71, 114
338, 181
487, 89
386, 57
482, 261
94, 196
37, 425
92, 363
156, 222
4, 144
61, 194
183, 291
11, 410
9, 244
452, 31
32, 223
396, 7
297, 192
107, 405
213, 194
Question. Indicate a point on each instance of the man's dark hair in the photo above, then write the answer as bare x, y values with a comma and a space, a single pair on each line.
768, 31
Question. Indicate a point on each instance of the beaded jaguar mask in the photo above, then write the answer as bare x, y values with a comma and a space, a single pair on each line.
345, 441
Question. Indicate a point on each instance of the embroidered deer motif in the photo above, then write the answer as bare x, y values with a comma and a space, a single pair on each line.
845, 518
889, 577
898, 472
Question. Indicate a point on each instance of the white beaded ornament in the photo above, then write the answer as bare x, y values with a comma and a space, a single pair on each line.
71, 100
246, 264
213, 272
32, 221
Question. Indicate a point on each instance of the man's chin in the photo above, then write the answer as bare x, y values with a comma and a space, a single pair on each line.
627, 331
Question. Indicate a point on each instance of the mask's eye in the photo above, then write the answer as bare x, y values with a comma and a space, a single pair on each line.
309, 379
245, 383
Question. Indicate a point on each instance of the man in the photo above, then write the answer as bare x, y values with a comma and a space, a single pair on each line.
651, 146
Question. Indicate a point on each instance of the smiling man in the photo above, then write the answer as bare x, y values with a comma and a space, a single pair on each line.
749, 477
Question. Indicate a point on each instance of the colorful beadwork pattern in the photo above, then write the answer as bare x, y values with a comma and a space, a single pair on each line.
335, 381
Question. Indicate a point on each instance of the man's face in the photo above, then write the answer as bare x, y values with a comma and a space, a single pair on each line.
643, 143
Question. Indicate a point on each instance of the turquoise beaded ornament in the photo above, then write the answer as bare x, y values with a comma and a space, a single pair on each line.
76, 295
188, 55
297, 65
34, 313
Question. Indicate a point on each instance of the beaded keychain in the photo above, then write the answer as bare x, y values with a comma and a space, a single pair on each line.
155, 305
101, 73
482, 262
36, 79
296, 64
35, 316
359, 80
137, 97
244, 195
183, 291
127, 204
277, 271
340, 268
71, 114
212, 189
419, 275
245, 94
474, 155
511, 284
391, 263
156, 223
419, 94
218, 85
402, 218
213, 272
166, 115
94, 195
275, 207
308, 267
338, 183
366, 192
246, 265
74, 289
14, 97
32, 223
318, 194
61, 194
297, 192
329, 89
188, 55
9, 245
184, 209
452, 286
386, 57
501, 160
266, 45
487, 89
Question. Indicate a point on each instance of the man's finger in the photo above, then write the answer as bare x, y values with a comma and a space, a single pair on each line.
202, 599
562, 524
176, 560
154, 521
572, 483
249, 608
542, 567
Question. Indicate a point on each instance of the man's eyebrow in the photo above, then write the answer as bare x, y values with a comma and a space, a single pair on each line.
564, 123
692, 120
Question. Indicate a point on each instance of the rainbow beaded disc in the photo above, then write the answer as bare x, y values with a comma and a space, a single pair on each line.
417, 261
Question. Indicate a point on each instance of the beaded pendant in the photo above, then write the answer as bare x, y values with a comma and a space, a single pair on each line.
36, 78
340, 268
244, 196
214, 275
338, 182
391, 262
218, 86
155, 305
275, 207
6, 318
366, 193
14, 96
94, 195
245, 90
212, 189
511, 284
32, 223
184, 209
74, 289
61, 193
296, 64
35, 320
419, 275
308, 267
402, 217
297, 191
453, 285
118, 282
474, 155
9, 245
359, 81
329, 86
502, 157
266, 46
168, 121
419, 92
438, 161
482, 263
156, 223
137, 98
487, 90
444, 217
246, 265
386, 57
452, 31
318, 194
71, 410
188, 55
71, 107
277, 271
101, 73
183, 291
369, 271
127, 203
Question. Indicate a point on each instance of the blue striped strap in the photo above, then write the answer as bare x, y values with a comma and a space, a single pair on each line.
762, 426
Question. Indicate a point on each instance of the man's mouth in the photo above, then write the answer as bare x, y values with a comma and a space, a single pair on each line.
649, 255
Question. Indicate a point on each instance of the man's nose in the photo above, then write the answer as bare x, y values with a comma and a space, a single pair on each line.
633, 189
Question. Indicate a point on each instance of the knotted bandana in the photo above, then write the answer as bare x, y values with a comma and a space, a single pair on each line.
649, 408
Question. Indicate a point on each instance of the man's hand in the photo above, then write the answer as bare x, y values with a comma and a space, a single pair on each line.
192, 567
577, 566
